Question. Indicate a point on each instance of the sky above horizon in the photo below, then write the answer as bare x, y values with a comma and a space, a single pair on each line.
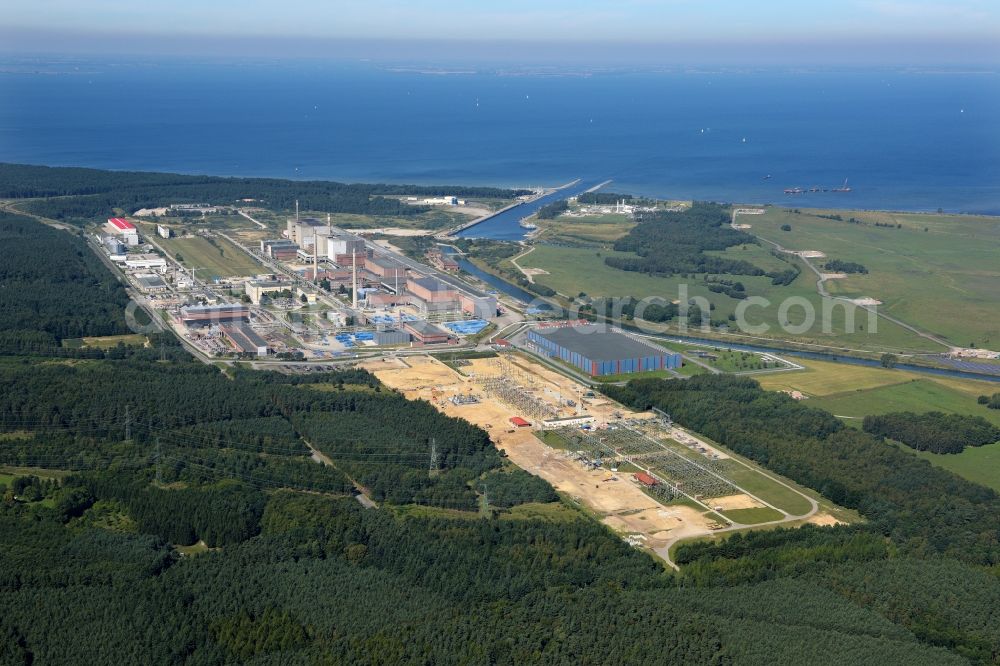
881, 29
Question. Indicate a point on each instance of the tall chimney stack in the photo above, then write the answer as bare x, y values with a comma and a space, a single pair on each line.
354, 278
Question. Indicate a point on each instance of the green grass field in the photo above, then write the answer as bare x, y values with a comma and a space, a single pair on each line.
107, 341
916, 395
752, 516
553, 512
823, 378
217, 256
731, 361
763, 487
596, 230
854, 392
979, 464
939, 272
572, 270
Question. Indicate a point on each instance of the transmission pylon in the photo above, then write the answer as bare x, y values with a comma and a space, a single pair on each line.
159, 458
435, 466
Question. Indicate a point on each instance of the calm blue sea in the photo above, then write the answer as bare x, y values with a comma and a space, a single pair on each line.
905, 140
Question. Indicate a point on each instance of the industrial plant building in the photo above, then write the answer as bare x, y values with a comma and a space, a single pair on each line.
206, 315
244, 339
480, 307
115, 246
256, 289
599, 350
425, 333
431, 290
122, 229
281, 249
145, 261
322, 239
150, 283
387, 268
332, 242
391, 337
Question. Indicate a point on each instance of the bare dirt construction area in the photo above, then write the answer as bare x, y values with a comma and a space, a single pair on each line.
615, 498
730, 502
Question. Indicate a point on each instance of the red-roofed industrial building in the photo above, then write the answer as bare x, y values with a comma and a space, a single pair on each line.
645, 479
121, 228
120, 224
519, 422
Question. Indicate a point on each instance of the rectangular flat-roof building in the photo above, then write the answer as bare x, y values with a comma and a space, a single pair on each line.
255, 289
601, 350
279, 248
425, 333
480, 307
244, 339
204, 315
386, 268
339, 242
151, 283
431, 289
391, 337
123, 229
145, 261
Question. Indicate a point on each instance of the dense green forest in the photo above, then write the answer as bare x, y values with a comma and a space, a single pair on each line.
90, 194
936, 527
33, 301
602, 198
552, 210
672, 242
933, 431
133, 459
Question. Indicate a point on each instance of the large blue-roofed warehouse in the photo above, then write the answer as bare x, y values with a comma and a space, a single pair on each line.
601, 350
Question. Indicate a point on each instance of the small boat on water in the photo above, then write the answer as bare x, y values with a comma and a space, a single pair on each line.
843, 188
794, 190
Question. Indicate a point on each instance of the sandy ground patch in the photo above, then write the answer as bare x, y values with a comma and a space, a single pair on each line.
660, 524
474, 211
742, 226
730, 502
150, 212
833, 276
866, 301
811, 254
534, 271
824, 519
